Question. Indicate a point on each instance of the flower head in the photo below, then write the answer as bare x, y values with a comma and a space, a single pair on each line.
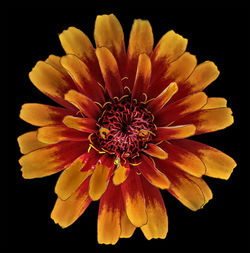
120, 133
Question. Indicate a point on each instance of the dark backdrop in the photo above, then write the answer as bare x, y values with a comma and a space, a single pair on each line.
220, 35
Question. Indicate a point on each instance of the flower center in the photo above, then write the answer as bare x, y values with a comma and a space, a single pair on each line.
125, 127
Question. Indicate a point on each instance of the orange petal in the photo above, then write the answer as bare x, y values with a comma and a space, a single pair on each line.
127, 228
80, 73
155, 151
82, 124
66, 212
51, 159
42, 115
204, 74
99, 180
218, 164
152, 174
83, 103
134, 200
56, 133
172, 112
75, 42
170, 47
108, 33
210, 120
110, 72
51, 82
213, 103
157, 225
28, 142
191, 191
72, 177
164, 73
141, 41
109, 216
183, 159
121, 173
159, 102
142, 78
174, 132
55, 61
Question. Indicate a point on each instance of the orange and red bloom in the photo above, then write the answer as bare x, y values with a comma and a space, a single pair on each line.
120, 133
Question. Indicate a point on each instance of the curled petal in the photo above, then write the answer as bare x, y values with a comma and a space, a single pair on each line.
213, 103
127, 228
155, 151
83, 103
121, 173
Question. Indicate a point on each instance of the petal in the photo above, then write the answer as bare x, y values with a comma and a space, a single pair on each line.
66, 212
142, 77
204, 74
55, 61
51, 82
213, 103
210, 120
183, 159
180, 108
83, 103
87, 125
174, 132
80, 73
56, 133
155, 151
127, 228
141, 41
159, 102
100, 177
218, 164
177, 71
28, 142
51, 159
191, 191
108, 33
170, 47
152, 174
134, 200
110, 72
42, 115
72, 177
157, 225
75, 42
121, 173
109, 216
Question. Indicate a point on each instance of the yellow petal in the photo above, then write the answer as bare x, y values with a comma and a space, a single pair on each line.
65, 212
71, 178
28, 142
170, 47
120, 174
127, 228
215, 103
155, 151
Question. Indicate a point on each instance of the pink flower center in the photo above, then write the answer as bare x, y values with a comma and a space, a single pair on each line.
125, 127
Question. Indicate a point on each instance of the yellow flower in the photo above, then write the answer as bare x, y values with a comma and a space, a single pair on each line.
120, 133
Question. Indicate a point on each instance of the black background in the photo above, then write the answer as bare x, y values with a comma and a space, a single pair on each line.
220, 35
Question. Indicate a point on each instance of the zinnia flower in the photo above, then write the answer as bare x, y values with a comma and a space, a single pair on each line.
120, 133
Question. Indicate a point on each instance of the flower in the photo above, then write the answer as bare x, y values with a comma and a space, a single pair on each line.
120, 133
